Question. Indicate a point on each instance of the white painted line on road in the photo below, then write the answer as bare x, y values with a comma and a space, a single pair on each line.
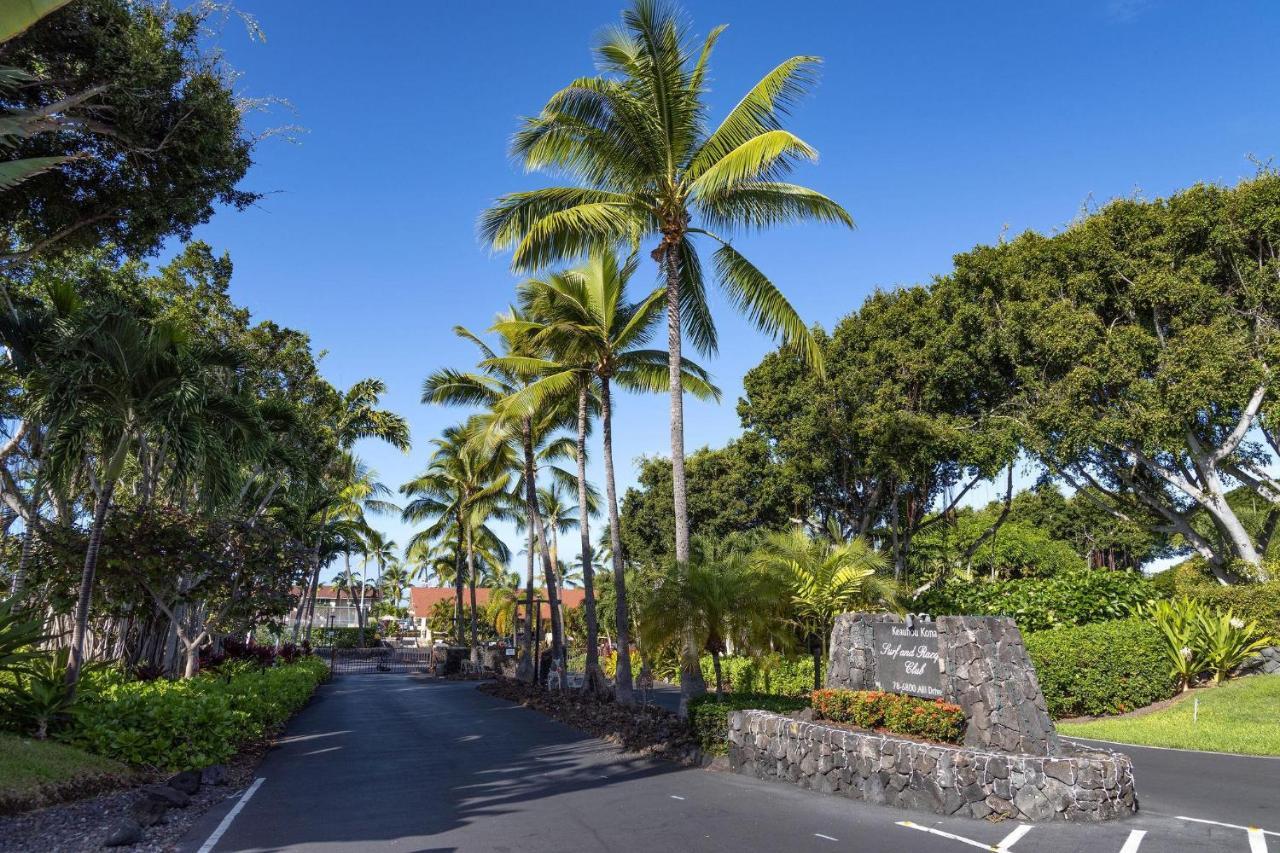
1012, 838
1257, 841
1133, 841
231, 815
1256, 829
674, 797
1089, 740
980, 845
828, 837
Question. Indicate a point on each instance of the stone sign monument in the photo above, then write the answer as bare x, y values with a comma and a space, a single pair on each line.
1012, 762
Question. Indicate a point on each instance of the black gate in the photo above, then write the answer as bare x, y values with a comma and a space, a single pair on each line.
382, 659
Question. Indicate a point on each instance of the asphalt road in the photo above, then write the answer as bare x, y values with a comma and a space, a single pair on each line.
402, 763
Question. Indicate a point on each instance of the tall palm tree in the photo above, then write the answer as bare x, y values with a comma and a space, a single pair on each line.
823, 577
649, 165
529, 435
596, 336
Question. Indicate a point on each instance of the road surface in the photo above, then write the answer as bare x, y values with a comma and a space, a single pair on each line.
404, 763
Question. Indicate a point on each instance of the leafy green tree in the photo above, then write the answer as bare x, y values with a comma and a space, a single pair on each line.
1142, 339
734, 489
144, 133
649, 165
903, 426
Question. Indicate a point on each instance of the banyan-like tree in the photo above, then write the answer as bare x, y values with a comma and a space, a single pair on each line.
651, 170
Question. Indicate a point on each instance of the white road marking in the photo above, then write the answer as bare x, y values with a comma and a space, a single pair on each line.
1230, 825
828, 837
1012, 838
1131, 843
231, 815
1257, 841
979, 844
1167, 748
674, 797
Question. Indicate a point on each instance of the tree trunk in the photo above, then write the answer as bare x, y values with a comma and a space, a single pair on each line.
817, 668
622, 617
540, 534
75, 659
715, 664
691, 681
593, 680
471, 582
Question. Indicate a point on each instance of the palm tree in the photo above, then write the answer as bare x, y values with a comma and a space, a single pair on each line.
109, 382
594, 334
649, 166
719, 598
528, 435
824, 577
465, 485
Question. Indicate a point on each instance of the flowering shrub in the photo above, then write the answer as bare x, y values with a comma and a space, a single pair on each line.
903, 715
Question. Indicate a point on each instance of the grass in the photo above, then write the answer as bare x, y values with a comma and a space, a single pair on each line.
1240, 716
35, 773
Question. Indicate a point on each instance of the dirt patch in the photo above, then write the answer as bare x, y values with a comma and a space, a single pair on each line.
645, 730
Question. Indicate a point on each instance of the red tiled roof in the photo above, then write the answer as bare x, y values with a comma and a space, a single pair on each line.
423, 598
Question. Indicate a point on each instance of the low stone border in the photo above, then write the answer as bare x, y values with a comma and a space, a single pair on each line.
1267, 662
1084, 785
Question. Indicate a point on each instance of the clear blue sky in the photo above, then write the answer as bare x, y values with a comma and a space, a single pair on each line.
939, 125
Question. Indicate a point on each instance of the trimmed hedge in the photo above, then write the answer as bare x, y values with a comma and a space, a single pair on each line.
709, 715
931, 719
1080, 597
773, 675
190, 724
1105, 668
1252, 602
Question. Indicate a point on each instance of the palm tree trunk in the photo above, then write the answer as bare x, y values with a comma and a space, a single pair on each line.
715, 664
471, 582
458, 579
75, 660
548, 570
691, 681
524, 671
622, 617
593, 679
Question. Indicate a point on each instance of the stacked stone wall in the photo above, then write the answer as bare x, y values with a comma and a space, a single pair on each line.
1081, 785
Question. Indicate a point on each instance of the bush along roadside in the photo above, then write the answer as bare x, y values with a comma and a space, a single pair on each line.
709, 715
773, 675
194, 723
1105, 668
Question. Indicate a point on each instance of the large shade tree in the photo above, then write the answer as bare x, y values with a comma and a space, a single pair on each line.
649, 166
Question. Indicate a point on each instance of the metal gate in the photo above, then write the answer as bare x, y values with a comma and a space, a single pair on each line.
382, 659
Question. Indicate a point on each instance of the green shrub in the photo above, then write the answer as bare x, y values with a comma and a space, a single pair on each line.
1252, 602
347, 638
931, 719
773, 675
1105, 668
709, 717
182, 725
1080, 597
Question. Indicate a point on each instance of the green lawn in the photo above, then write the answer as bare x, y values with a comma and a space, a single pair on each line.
1240, 716
34, 773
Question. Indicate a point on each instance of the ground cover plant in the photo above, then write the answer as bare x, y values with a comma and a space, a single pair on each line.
1239, 716
192, 723
37, 773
